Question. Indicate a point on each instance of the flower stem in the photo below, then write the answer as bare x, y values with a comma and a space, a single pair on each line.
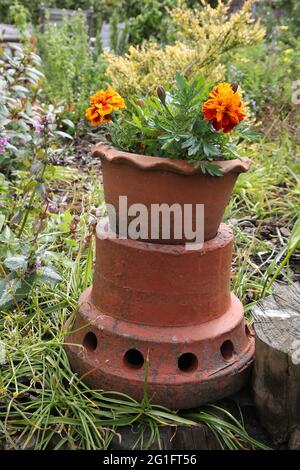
30, 204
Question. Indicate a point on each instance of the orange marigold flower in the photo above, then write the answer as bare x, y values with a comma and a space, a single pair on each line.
102, 103
224, 107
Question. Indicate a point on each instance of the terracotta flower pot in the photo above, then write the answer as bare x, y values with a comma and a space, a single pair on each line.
154, 180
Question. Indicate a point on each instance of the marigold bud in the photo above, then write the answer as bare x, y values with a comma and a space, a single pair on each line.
234, 86
140, 102
161, 93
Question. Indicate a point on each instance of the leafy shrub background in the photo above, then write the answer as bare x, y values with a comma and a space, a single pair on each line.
275, 13
33, 6
103, 8
145, 25
71, 69
203, 37
266, 72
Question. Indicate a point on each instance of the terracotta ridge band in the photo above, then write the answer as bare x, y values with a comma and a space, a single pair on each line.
223, 237
149, 163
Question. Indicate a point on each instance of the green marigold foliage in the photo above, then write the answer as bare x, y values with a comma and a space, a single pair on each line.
203, 37
172, 125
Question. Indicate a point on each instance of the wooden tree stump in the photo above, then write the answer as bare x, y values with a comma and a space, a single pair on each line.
171, 438
276, 381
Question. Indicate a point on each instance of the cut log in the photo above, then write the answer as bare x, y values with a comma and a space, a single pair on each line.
276, 380
171, 438
294, 441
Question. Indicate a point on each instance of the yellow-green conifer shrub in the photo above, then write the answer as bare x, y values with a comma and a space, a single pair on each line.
203, 36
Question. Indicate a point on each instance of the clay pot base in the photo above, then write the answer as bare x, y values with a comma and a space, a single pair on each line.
204, 360
164, 285
188, 366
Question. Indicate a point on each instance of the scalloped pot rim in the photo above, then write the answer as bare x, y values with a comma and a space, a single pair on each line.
145, 162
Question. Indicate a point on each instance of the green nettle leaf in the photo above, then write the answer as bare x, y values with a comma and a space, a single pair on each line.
36, 167
13, 148
20, 89
48, 275
22, 125
8, 287
41, 190
13, 289
64, 135
17, 217
68, 123
15, 263
6, 235
36, 72
2, 220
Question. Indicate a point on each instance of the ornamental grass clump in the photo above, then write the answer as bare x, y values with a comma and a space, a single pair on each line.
190, 121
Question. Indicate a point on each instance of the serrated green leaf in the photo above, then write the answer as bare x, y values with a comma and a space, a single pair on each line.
41, 190
6, 235
48, 275
194, 149
137, 121
36, 167
180, 81
14, 263
188, 142
210, 149
2, 220
19, 88
64, 135
69, 123
36, 72
8, 287
210, 168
